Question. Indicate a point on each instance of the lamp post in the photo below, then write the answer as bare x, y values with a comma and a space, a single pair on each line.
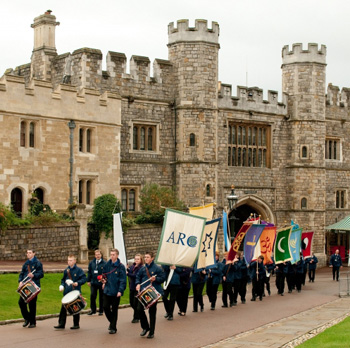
232, 200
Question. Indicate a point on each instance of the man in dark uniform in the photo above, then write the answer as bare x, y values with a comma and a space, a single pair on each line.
95, 269
312, 262
150, 271
336, 264
32, 269
73, 278
114, 287
170, 293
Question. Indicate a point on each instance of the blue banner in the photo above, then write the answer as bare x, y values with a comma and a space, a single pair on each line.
251, 238
295, 244
226, 236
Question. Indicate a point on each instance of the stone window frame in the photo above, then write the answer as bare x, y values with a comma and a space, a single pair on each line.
249, 144
303, 203
86, 189
86, 139
192, 139
29, 133
301, 154
341, 201
140, 142
333, 149
129, 203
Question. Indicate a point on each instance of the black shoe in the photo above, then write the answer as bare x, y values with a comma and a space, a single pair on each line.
170, 317
260, 298
212, 308
299, 290
166, 315
109, 327
264, 295
144, 332
26, 323
150, 335
202, 309
112, 332
195, 311
134, 321
282, 294
31, 326
75, 327
269, 292
243, 301
224, 306
100, 313
253, 299
289, 291
91, 313
312, 280
58, 327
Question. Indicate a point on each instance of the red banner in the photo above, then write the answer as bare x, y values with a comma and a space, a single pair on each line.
237, 241
306, 244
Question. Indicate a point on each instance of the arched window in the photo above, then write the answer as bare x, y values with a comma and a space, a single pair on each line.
81, 139
142, 139
88, 192
192, 139
303, 203
124, 200
32, 134
39, 193
304, 152
150, 139
17, 200
88, 140
23, 134
81, 183
208, 190
134, 138
132, 200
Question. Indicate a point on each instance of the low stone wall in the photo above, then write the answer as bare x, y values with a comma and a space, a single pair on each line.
52, 243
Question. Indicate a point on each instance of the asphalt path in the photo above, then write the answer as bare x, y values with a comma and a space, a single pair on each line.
193, 330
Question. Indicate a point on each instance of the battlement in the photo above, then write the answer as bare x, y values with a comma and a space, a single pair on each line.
200, 32
251, 99
298, 55
335, 97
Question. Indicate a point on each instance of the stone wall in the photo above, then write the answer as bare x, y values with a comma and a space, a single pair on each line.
52, 243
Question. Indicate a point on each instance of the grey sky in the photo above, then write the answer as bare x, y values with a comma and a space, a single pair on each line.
252, 33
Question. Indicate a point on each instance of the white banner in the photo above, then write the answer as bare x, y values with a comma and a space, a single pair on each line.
118, 237
180, 240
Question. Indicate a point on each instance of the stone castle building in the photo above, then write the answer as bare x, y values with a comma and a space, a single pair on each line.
69, 129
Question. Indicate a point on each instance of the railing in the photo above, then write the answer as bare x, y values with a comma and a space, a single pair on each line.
344, 284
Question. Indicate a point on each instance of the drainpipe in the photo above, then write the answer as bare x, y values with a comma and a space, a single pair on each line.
175, 141
71, 126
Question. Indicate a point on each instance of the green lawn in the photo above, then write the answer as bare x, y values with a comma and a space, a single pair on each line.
49, 299
336, 336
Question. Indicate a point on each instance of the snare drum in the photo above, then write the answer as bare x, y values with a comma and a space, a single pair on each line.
148, 296
28, 291
74, 302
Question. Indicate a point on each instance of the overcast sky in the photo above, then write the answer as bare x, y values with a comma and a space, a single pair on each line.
252, 33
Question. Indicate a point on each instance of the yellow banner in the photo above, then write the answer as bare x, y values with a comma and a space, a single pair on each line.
205, 211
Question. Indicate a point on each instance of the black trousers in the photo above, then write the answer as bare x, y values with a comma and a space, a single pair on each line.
236, 289
280, 282
312, 274
267, 283
291, 281
93, 295
30, 314
227, 290
243, 288
198, 296
152, 311
335, 272
258, 287
63, 318
299, 277
169, 298
110, 307
133, 303
182, 299
212, 291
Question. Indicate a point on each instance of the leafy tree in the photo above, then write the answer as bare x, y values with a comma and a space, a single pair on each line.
102, 217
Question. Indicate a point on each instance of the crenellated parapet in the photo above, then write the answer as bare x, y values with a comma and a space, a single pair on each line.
337, 97
200, 32
297, 55
251, 99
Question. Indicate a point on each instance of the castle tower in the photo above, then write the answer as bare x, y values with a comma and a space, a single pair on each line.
44, 46
194, 55
304, 79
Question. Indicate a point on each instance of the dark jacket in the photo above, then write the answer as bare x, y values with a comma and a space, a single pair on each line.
216, 272
313, 264
198, 277
229, 273
175, 279
261, 270
95, 270
77, 275
153, 270
185, 278
335, 260
116, 278
132, 272
299, 266
34, 264
281, 268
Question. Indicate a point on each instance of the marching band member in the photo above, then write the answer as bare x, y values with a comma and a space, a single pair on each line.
299, 272
184, 290
237, 277
281, 271
95, 269
114, 285
213, 281
198, 281
171, 290
150, 271
245, 278
131, 273
290, 277
270, 267
312, 262
336, 264
227, 282
32, 269
73, 278
258, 274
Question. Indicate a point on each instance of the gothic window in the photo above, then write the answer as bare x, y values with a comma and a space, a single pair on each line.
23, 134
86, 191
39, 194
129, 199
31, 134
304, 152
17, 201
340, 199
144, 137
332, 149
28, 136
85, 139
303, 203
208, 190
192, 139
251, 147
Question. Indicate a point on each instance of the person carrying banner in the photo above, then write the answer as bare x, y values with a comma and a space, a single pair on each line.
171, 290
198, 281
213, 281
336, 264
184, 290
114, 287
32, 269
312, 262
299, 272
73, 278
132, 273
149, 273
258, 274
95, 269
281, 271
245, 278
269, 271
237, 277
290, 277
227, 282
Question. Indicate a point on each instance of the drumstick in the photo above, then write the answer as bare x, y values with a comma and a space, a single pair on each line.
27, 276
147, 280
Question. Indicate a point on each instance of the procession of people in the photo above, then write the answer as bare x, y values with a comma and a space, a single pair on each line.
109, 280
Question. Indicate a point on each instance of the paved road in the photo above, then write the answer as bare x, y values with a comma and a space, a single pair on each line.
193, 330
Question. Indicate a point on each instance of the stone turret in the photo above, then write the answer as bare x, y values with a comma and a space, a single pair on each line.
193, 52
44, 46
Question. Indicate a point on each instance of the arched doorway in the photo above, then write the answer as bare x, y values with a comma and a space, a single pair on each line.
17, 200
244, 208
